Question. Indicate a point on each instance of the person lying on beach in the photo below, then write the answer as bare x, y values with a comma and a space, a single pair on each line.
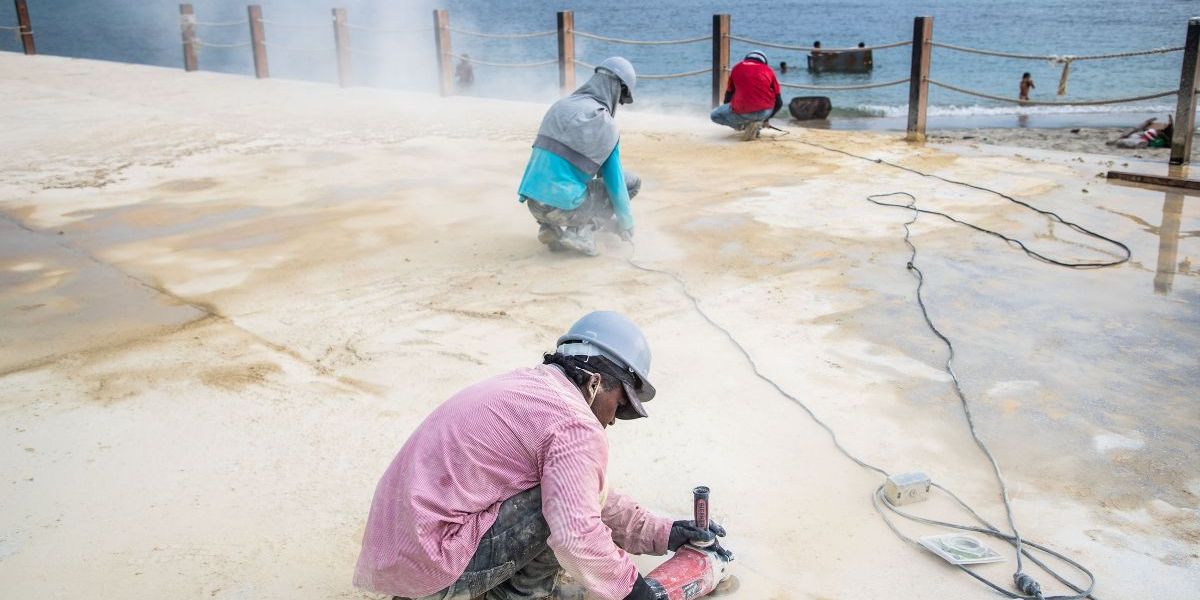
574, 184
504, 485
1026, 85
751, 96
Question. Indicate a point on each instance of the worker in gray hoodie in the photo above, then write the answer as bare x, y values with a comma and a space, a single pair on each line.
574, 184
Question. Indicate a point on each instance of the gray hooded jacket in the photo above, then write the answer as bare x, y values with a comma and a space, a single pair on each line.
580, 128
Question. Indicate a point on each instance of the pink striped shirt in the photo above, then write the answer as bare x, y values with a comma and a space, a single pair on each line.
484, 445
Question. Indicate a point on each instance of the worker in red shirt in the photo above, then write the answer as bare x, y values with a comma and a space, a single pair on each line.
751, 96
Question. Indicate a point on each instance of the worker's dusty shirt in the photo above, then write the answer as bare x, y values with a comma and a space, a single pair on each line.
484, 445
754, 87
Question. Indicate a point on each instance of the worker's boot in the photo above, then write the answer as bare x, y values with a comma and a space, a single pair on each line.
579, 239
751, 130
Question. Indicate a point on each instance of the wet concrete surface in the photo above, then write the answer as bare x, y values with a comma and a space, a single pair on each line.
361, 273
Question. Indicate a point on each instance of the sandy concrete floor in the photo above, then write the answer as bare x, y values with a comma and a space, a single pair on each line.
226, 302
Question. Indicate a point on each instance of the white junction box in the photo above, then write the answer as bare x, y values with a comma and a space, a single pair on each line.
906, 488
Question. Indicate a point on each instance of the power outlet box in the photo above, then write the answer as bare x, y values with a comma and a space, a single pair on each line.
906, 488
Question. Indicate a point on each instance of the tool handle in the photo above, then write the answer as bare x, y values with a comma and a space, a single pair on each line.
700, 506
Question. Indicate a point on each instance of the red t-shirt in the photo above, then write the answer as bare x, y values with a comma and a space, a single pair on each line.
754, 87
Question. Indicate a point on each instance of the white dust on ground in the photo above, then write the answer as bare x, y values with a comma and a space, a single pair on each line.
285, 277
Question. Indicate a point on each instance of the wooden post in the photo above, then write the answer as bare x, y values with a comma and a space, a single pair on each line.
918, 83
1185, 109
445, 61
1168, 242
26, 30
341, 39
720, 58
258, 41
566, 52
187, 26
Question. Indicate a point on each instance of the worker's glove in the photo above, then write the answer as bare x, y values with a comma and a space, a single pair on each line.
626, 234
646, 589
683, 532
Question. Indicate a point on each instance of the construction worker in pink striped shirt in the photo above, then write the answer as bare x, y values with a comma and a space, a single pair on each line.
503, 486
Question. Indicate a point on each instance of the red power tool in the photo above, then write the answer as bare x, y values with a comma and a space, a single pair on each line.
695, 571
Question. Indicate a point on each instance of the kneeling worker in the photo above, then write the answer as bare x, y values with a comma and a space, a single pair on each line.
751, 96
505, 481
574, 184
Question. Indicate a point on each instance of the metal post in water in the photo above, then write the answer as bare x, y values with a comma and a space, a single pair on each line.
258, 41
566, 52
918, 83
25, 29
341, 40
720, 58
187, 27
441, 34
1185, 109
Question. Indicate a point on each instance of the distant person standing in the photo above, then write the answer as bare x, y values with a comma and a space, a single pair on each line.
862, 44
464, 73
751, 96
783, 67
1026, 85
816, 49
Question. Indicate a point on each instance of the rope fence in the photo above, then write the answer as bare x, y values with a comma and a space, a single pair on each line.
220, 23
642, 76
612, 40
842, 88
286, 25
295, 48
815, 49
542, 63
404, 31
979, 94
1054, 57
504, 36
200, 42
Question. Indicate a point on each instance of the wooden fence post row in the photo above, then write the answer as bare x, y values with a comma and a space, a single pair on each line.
918, 83
1185, 107
258, 41
25, 29
720, 58
566, 52
341, 38
187, 27
445, 60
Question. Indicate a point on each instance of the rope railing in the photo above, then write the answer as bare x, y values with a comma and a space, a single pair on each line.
841, 88
200, 42
504, 36
1056, 58
979, 94
613, 40
389, 29
294, 48
219, 23
476, 61
293, 25
642, 76
815, 49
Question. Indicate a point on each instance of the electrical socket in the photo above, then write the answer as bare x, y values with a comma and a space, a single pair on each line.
906, 488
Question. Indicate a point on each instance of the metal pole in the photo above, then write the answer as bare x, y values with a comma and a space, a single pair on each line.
918, 83
720, 58
1185, 109
341, 39
258, 41
26, 30
441, 34
187, 26
566, 52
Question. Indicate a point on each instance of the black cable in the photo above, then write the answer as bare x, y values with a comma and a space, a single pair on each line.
1030, 589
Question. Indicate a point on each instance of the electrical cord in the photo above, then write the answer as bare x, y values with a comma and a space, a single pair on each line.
1029, 588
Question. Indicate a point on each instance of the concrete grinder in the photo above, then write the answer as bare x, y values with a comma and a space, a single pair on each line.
696, 570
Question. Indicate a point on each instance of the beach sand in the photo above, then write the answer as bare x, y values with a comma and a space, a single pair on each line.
226, 302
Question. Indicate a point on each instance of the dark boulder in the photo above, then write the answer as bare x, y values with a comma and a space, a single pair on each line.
807, 108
